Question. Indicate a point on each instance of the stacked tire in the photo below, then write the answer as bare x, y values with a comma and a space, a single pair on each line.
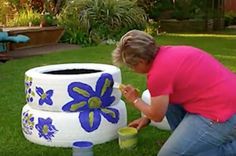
163, 125
70, 102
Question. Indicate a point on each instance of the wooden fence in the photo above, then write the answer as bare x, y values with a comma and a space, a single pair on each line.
230, 5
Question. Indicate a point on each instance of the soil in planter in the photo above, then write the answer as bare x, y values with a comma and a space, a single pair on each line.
72, 71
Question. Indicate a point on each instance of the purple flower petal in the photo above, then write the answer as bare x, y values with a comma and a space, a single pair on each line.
49, 93
104, 85
48, 101
90, 119
80, 91
41, 101
107, 101
75, 106
112, 115
39, 91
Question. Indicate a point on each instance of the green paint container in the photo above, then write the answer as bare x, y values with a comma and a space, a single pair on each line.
128, 137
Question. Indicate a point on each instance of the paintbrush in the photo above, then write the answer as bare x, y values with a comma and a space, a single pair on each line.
120, 86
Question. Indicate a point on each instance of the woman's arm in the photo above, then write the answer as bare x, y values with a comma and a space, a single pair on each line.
155, 111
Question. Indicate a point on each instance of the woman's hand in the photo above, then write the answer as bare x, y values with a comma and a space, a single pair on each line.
140, 123
129, 92
155, 111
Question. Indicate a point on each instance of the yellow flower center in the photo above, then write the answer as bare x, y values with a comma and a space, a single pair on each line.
94, 102
45, 129
44, 95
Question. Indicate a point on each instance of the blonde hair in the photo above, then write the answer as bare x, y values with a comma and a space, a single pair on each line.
132, 46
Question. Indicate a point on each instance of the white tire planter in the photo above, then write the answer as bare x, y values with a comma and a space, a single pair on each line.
58, 84
66, 128
72, 102
164, 125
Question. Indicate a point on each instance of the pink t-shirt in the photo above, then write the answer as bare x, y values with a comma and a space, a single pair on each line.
195, 80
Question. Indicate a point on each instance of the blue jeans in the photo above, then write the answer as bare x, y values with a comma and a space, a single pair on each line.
195, 135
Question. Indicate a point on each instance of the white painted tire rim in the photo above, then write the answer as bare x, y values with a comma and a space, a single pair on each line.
61, 129
50, 92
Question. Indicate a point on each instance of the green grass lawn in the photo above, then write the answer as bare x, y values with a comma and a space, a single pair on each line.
12, 97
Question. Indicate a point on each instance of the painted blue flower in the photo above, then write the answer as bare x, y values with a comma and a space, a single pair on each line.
27, 123
28, 91
45, 128
45, 97
92, 104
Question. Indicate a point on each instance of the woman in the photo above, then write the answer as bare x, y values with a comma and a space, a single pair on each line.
193, 90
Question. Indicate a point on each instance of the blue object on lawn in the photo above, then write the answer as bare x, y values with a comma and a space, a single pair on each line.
3, 46
18, 39
4, 38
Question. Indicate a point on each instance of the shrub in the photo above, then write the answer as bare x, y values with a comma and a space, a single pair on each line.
3, 10
152, 27
156, 8
230, 18
94, 20
24, 17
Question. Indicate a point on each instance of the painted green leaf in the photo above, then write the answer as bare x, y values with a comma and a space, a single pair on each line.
75, 106
107, 111
106, 85
31, 124
91, 118
81, 91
